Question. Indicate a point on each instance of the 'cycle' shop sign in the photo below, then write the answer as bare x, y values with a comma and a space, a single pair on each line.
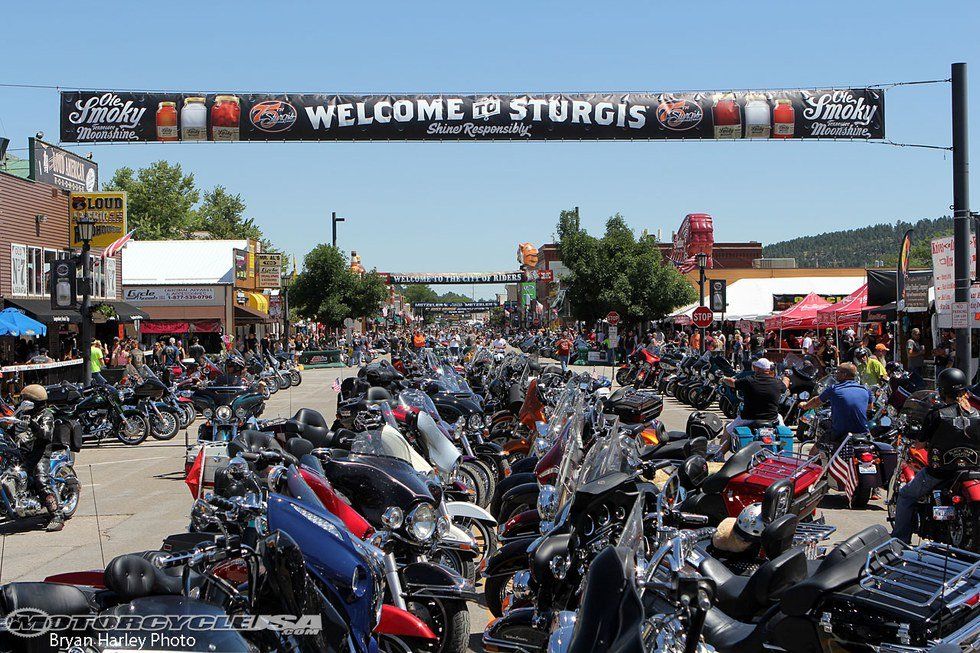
117, 116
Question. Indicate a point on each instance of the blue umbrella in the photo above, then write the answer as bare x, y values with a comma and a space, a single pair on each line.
8, 328
25, 325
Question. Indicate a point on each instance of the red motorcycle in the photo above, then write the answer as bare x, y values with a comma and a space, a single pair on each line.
638, 369
950, 514
744, 479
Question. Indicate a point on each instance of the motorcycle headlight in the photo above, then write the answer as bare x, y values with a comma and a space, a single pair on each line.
223, 412
474, 421
240, 413
208, 413
422, 522
547, 503
393, 517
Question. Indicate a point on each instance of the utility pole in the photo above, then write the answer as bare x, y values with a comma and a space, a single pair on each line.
333, 223
961, 211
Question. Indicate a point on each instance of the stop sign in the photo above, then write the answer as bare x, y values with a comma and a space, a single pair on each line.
702, 317
613, 318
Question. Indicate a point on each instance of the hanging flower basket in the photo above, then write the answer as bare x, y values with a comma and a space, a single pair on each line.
102, 313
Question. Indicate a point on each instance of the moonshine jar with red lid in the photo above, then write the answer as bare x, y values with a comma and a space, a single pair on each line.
225, 116
783, 119
167, 121
727, 116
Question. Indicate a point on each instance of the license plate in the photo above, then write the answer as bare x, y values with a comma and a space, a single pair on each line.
766, 432
867, 468
943, 513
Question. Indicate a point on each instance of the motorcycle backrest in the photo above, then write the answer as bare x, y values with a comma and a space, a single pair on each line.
693, 472
777, 537
777, 500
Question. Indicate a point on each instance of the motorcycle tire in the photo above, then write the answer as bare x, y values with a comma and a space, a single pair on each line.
165, 426
473, 479
71, 492
449, 618
702, 399
272, 387
295, 377
284, 382
963, 532
489, 480
728, 409
485, 536
450, 559
189, 415
494, 590
139, 428
862, 495
625, 376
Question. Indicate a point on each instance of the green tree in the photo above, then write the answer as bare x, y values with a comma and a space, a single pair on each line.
223, 216
160, 199
327, 291
617, 272
419, 292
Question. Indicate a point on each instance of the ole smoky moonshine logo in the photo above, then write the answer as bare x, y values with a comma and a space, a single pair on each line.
678, 114
273, 116
840, 114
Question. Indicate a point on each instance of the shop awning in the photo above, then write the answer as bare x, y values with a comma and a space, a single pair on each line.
801, 315
126, 312
22, 324
40, 310
180, 326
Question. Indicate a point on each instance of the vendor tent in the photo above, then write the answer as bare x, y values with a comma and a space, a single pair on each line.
801, 315
846, 312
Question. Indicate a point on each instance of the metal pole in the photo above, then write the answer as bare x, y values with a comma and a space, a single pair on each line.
333, 225
701, 300
86, 324
961, 210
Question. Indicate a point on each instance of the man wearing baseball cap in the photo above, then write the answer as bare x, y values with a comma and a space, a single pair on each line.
760, 397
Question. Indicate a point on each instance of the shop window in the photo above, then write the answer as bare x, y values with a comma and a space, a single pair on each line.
35, 271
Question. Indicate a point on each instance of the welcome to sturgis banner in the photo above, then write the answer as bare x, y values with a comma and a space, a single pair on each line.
109, 116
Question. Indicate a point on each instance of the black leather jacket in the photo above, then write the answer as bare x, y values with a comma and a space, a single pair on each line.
953, 435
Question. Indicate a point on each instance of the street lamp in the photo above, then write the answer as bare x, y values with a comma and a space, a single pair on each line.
85, 232
333, 221
702, 261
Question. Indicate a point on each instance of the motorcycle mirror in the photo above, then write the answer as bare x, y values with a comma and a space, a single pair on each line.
24, 406
693, 472
804, 395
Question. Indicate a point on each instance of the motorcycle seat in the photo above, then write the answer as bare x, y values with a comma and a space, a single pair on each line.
729, 635
252, 442
299, 447
131, 576
738, 463
313, 427
547, 550
744, 597
840, 567
169, 579
52, 598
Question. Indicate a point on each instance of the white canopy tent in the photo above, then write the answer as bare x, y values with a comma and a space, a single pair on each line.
751, 299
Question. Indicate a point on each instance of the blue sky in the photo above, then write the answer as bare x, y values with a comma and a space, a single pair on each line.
465, 206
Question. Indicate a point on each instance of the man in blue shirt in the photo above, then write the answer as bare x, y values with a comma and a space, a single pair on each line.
850, 403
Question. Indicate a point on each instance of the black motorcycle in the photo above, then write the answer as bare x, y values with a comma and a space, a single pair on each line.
100, 411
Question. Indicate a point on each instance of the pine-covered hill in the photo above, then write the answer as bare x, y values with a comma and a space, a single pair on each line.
863, 246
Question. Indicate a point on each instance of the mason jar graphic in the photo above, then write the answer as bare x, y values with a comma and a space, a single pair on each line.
727, 116
194, 120
757, 118
783, 119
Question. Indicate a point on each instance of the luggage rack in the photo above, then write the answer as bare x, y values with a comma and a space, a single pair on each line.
809, 533
918, 576
801, 461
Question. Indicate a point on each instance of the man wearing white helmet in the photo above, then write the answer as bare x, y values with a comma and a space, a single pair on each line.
760, 397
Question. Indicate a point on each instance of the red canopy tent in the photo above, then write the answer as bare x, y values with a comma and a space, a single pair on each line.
846, 312
802, 315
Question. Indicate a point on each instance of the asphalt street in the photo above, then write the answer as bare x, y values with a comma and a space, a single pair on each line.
133, 497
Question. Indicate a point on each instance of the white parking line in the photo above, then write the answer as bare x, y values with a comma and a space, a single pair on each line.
128, 460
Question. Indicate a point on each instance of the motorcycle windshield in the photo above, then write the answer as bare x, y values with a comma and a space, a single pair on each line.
632, 537
423, 403
616, 452
571, 458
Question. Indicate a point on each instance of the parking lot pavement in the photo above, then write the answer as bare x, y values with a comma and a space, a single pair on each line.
141, 498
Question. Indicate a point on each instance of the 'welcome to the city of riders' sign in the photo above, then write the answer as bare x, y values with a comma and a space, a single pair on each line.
110, 116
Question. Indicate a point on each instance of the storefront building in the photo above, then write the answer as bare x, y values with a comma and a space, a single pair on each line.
191, 288
34, 232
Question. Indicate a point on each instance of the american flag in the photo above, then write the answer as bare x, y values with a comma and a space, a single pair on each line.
688, 264
117, 245
336, 385
841, 469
